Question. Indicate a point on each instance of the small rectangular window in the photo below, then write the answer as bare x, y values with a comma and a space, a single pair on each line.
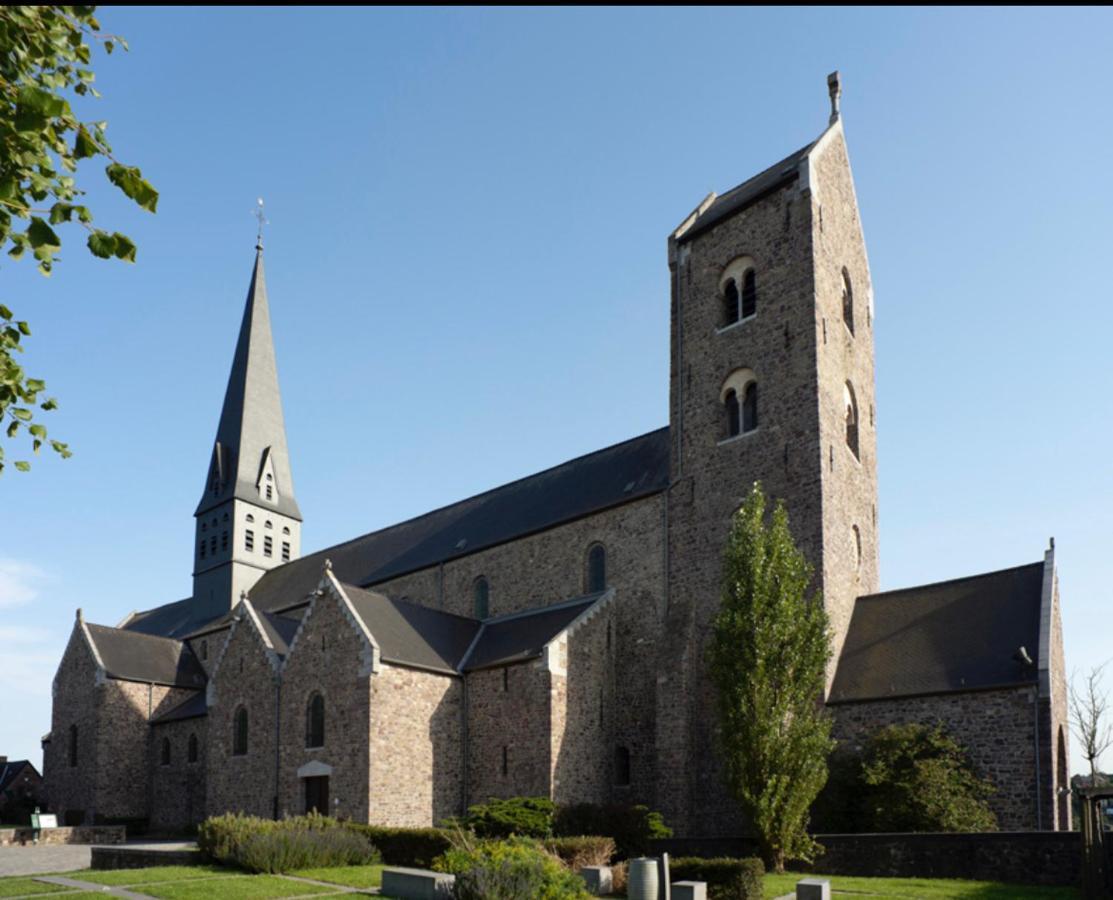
249, 540
269, 492
224, 540
285, 551
267, 545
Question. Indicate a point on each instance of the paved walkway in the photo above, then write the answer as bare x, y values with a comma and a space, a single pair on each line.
44, 858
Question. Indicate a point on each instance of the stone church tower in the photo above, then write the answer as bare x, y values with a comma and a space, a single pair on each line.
248, 520
772, 381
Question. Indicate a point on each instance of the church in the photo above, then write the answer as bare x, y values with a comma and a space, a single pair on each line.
547, 637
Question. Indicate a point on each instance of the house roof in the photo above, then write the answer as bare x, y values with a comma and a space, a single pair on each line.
134, 656
522, 636
10, 770
958, 635
748, 192
190, 708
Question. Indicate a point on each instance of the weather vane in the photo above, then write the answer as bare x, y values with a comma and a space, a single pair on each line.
262, 221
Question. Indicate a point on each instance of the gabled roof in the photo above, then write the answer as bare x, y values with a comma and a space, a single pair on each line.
958, 635
10, 770
633, 469
251, 425
169, 620
133, 656
522, 636
192, 707
748, 192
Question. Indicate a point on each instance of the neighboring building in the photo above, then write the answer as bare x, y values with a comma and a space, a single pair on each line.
20, 786
547, 637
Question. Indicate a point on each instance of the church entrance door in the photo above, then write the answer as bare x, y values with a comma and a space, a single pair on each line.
316, 795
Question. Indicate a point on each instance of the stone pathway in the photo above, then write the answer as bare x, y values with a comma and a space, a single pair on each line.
44, 858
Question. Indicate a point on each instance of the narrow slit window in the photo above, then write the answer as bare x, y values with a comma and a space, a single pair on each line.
733, 414
285, 551
239, 733
730, 303
847, 301
315, 722
482, 597
191, 753
621, 766
249, 540
749, 407
165, 758
268, 545
596, 569
505, 760
851, 404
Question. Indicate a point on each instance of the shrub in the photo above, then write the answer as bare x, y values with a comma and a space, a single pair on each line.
727, 879
524, 816
631, 827
514, 869
906, 778
289, 849
584, 850
416, 847
221, 837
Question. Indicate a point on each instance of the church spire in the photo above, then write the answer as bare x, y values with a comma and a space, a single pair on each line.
250, 461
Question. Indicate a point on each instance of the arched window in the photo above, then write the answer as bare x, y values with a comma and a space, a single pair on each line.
851, 404
73, 745
482, 594
730, 303
749, 407
847, 301
191, 753
734, 414
315, 722
596, 569
749, 294
165, 757
621, 766
239, 733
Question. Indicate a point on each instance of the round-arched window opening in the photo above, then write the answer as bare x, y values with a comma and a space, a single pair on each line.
481, 598
239, 733
596, 579
850, 403
315, 722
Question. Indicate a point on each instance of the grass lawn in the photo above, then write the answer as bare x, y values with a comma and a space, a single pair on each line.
233, 887
349, 876
17, 887
150, 876
918, 889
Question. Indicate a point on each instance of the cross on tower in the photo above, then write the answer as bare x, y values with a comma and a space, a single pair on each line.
262, 221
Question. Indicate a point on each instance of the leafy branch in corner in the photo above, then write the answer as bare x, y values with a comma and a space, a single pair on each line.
45, 55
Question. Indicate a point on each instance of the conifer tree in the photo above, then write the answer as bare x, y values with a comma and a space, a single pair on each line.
768, 657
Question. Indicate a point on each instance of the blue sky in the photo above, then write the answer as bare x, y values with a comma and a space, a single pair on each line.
468, 279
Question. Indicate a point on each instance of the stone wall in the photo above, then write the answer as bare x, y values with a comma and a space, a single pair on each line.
416, 750
997, 728
177, 799
70, 790
244, 676
326, 658
100, 834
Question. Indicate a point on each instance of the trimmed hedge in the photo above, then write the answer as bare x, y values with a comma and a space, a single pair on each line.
727, 879
414, 847
632, 827
301, 842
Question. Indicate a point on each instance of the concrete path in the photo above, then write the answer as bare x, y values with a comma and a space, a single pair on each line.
44, 858
107, 890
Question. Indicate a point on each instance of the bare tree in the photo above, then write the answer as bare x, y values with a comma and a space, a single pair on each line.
1089, 708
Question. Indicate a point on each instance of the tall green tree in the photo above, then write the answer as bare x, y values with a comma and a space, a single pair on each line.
768, 658
45, 56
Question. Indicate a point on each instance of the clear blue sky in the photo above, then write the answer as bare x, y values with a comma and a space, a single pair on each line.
468, 279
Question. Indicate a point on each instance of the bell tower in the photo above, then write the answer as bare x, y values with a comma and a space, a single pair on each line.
248, 520
772, 380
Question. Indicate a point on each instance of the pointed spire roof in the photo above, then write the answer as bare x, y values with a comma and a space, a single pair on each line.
251, 436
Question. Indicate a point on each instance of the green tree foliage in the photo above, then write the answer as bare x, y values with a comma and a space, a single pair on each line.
45, 53
768, 657
906, 778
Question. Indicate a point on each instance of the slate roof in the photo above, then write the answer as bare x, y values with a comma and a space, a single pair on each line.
190, 708
280, 629
747, 193
521, 636
169, 620
411, 634
952, 636
633, 469
134, 656
10, 770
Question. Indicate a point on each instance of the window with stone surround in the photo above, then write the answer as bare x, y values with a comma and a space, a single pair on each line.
621, 766
737, 292
847, 301
239, 733
481, 596
315, 722
596, 576
738, 397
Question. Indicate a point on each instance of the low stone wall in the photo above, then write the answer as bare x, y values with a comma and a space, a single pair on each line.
81, 834
143, 857
1021, 857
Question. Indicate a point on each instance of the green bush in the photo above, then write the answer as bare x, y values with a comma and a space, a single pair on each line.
517, 868
905, 778
290, 849
416, 847
523, 816
221, 837
580, 851
631, 827
727, 879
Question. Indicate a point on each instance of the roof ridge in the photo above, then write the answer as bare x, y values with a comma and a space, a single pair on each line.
534, 610
931, 584
138, 634
406, 602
